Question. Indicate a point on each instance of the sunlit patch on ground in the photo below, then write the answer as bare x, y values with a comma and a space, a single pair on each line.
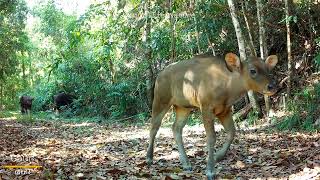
88, 150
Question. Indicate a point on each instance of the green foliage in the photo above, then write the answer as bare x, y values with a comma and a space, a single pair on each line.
43, 97
252, 117
12, 36
317, 57
25, 118
99, 57
7, 114
195, 118
317, 62
304, 112
13, 50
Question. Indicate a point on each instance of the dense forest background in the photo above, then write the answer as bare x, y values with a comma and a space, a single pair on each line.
109, 56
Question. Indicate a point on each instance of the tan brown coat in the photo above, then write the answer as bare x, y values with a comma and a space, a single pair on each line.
212, 85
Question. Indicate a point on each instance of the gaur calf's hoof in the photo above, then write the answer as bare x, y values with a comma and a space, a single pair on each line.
218, 158
187, 168
210, 175
149, 161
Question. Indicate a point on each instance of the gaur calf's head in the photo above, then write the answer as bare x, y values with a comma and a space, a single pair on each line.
255, 72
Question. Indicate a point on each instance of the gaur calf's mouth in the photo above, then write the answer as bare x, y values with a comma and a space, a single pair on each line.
270, 93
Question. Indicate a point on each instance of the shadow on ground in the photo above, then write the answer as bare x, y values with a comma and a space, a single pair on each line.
89, 150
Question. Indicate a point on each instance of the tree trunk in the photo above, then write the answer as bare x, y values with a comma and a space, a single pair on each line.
112, 71
210, 44
192, 8
262, 31
108, 60
148, 53
197, 27
190, 40
173, 32
288, 4
197, 34
1, 95
24, 76
312, 29
31, 74
263, 44
23, 70
248, 24
242, 50
236, 24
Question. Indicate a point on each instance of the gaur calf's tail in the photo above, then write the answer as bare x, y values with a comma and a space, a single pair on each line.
152, 91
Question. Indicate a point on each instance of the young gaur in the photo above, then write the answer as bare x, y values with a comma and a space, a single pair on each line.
212, 85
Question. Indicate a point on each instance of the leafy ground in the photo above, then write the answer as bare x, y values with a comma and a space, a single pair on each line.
92, 151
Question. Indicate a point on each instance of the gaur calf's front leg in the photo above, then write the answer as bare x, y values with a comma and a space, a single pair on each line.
208, 123
228, 125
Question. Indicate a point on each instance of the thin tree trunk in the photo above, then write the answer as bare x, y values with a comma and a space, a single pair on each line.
262, 31
31, 74
148, 53
192, 19
197, 27
210, 45
197, 34
1, 96
190, 39
109, 62
242, 50
23, 70
263, 44
288, 4
311, 28
236, 24
248, 24
173, 32
112, 71
24, 76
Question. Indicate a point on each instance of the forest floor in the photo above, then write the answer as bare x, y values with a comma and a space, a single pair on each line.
92, 151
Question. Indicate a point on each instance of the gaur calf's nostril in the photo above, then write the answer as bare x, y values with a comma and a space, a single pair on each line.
270, 87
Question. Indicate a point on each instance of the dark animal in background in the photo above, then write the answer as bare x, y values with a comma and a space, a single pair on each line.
26, 104
62, 99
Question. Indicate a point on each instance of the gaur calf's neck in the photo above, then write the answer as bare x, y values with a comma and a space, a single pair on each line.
236, 87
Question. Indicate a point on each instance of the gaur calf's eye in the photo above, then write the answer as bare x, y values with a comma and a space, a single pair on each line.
253, 72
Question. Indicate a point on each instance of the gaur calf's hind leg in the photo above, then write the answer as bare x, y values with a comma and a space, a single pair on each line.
227, 123
158, 112
181, 120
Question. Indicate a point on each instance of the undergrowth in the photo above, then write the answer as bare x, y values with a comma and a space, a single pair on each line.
304, 111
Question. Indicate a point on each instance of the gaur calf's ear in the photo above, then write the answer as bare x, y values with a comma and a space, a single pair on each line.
233, 62
271, 61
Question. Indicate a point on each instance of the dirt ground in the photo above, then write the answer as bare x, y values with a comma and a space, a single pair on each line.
60, 150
